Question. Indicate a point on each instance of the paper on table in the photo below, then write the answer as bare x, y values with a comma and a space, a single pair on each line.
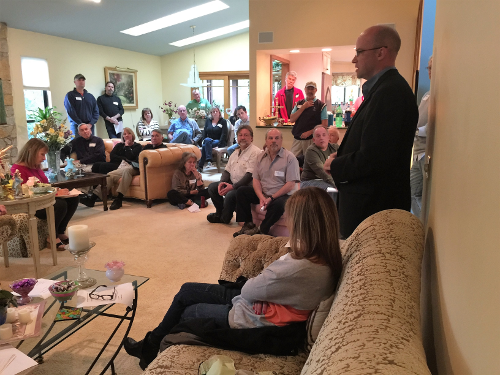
41, 289
72, 193
194, 208
15, 365
124, 295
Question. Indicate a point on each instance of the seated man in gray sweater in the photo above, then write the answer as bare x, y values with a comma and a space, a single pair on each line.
313, 173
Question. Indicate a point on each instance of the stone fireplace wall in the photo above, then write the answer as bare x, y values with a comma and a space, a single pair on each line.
8, 133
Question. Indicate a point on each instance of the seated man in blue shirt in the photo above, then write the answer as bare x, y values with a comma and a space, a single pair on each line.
184, 130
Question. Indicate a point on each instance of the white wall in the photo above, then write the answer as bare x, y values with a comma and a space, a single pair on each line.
66, 58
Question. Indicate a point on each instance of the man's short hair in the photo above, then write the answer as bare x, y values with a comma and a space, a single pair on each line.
194, 90
157, 131
109, 83
317, 127
387, 36
82, 125
270, 130
292, 73
247, 127
241, 107
79, 76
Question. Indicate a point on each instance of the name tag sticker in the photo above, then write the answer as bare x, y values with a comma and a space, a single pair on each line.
91, 144
296, 95
115, 103
219, 125
192, 181
279, 174
202, 105
78, 98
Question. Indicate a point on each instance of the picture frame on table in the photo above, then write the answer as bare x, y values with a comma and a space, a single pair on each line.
125, 81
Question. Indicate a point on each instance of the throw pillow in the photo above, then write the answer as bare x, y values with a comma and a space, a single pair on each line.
316, 320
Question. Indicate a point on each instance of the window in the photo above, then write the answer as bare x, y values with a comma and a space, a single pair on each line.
345, 87
36, 84
226, 89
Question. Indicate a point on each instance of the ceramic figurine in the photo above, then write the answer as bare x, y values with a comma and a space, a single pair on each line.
69, 165
17, 184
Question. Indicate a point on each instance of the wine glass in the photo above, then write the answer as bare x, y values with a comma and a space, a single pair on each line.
80, 168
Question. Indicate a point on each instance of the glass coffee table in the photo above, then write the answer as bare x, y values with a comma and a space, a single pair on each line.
53, 333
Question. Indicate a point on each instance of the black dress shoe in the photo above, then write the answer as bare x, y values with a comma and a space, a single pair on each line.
117, 203
214, 218
132, 347
88, 201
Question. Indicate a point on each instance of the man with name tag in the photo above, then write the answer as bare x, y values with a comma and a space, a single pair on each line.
111, 110
275, 175
81, 106
89, 149
306, 114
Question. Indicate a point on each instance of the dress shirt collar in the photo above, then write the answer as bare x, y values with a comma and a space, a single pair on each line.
367, 86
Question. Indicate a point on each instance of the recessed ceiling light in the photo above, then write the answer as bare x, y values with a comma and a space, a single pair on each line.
96, 1
176, 18
212, 34
295, 51
326, 49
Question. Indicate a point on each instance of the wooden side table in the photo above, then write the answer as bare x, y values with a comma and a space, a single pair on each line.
30, 206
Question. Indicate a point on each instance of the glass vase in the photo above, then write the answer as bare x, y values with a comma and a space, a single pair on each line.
54, 161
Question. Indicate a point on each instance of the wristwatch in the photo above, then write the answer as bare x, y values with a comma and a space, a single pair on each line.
272, 198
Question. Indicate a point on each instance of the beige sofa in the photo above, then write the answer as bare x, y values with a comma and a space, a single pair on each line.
157, 168
373, 326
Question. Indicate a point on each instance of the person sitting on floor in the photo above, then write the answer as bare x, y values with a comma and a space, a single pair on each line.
285, 292
187, 184
123, 176
238, 172
89, 149
122, 156
275, 175
214, 135
28, 163
313, 173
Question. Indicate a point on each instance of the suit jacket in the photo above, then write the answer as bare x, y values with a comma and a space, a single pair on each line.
372, 168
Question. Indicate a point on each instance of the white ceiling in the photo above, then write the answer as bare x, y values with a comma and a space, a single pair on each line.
101, 23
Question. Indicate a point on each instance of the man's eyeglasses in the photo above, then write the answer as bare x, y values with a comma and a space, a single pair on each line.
104, 297
428, 67
360, 51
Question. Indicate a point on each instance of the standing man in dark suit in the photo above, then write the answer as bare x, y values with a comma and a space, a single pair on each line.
372, 166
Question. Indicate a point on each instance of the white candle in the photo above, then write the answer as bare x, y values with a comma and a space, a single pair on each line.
11, 315
78, 237
24, 316
5, 331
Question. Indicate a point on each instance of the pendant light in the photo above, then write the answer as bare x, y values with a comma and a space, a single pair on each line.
194, 76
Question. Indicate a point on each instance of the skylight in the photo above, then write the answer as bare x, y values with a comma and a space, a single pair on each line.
212, 34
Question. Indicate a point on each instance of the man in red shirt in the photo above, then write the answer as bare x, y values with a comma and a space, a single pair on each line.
288, 96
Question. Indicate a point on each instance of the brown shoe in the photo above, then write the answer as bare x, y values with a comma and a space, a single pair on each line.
245, 227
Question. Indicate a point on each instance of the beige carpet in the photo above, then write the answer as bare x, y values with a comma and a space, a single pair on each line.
166, 244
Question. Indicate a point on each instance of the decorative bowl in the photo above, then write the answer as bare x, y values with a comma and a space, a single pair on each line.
23, 287
268, 120
64, 296
41, 189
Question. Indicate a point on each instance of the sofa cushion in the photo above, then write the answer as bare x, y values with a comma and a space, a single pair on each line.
185, 360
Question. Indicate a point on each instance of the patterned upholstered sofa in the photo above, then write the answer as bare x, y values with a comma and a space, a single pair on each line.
373, 326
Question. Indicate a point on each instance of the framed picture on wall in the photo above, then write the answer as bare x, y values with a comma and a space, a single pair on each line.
125, 81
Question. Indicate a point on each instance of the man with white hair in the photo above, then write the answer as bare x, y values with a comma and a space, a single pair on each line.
184, 130
198, 103
288, 96
371, 169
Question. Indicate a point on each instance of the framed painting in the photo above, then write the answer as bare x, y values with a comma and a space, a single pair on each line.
125, 81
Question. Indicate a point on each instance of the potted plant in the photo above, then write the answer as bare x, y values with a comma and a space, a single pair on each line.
6, 299
50, 129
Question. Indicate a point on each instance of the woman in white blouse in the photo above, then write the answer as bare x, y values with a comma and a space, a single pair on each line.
146, 125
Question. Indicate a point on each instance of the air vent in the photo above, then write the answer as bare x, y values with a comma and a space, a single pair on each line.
266, 37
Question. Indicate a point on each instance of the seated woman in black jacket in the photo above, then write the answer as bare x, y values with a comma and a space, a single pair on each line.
214, 135
126, 151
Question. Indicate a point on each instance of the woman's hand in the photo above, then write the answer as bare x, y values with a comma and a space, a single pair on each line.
3, 210
260, 307
193, 192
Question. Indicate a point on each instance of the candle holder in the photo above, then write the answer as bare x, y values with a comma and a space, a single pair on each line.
80, 259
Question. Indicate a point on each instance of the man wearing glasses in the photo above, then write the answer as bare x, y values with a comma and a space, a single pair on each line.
372, 166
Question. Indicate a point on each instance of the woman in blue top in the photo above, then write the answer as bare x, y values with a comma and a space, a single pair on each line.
214, 135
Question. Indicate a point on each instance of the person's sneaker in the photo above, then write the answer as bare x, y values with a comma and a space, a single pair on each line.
209, 164
252, 231
199, 169
117, 203
181, 206
245, 227
214, 218
89, 201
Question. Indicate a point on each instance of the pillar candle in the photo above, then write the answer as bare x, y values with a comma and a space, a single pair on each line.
78, 237
11, 315
5, 331
24, 316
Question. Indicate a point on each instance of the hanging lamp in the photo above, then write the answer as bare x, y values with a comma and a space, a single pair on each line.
194, 76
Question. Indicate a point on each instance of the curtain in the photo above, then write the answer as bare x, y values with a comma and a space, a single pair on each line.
345, 79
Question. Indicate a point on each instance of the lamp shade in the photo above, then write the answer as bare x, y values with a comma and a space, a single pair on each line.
193, 78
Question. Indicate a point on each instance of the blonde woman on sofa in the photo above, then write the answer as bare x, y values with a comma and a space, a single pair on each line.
187, 184
286, 292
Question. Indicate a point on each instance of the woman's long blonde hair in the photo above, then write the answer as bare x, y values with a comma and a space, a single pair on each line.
29, 153
314, 228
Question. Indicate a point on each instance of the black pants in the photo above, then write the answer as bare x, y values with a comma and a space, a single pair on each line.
175, 198
224, 206
64, 209
104, 167
246, 196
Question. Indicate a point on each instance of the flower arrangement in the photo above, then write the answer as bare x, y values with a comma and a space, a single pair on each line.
63, 286
115, 265
169, 109
51, 130
197, 114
